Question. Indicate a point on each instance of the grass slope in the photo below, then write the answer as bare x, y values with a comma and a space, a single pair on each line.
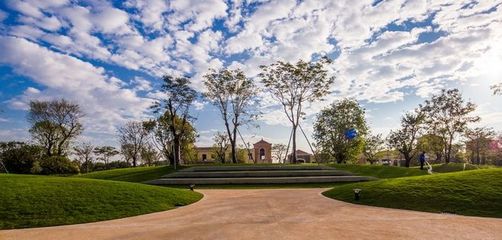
36, 201
380, 171
476, 192
456, 167
138, 174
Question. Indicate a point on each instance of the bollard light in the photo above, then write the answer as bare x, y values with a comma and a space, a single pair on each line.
357, 194
192, 186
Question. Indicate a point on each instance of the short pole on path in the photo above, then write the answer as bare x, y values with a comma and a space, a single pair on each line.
357, 194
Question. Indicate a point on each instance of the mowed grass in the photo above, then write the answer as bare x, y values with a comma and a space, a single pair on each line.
137, 174
380, 171
456, 167
37, 201
476, 193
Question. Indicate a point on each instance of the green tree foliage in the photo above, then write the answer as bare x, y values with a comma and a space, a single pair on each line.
433, 145
58, 165
447, 115
19, 157
331, 125
149, 155
220, 146
179, 97
234, 95
293, 85
405, 139
372, 146
162, 138
54, 124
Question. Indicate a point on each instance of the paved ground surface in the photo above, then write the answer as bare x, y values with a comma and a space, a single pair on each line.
274, 214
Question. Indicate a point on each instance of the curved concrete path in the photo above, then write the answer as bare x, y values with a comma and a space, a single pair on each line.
274, 214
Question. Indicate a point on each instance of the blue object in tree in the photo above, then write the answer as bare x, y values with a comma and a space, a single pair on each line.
351, 133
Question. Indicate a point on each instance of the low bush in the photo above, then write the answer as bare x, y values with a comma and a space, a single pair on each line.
58, 165
21, 158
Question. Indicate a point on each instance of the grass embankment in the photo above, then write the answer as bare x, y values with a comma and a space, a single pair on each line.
36, 201
476, 193
380, 171
456, 167
137, 174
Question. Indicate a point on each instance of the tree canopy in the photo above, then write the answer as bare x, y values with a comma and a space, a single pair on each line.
331, 126
293, 85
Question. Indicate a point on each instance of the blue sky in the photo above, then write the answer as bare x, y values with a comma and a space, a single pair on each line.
109, 56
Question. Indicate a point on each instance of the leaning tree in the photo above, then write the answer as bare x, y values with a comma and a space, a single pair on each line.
54, 124
294, 85
234, 95
447, 115
178, 98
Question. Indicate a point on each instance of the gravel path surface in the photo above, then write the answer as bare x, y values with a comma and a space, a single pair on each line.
274, 214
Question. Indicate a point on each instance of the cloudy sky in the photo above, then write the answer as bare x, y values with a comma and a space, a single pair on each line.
108, 56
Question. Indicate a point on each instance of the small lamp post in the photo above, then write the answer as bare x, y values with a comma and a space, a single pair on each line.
357, 193
191, 186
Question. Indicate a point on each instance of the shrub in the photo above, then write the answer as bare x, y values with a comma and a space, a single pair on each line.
58, 165
21, 158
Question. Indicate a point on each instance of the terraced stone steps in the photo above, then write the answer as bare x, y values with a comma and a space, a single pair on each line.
254, 168
257, 174
261, 173
258, 180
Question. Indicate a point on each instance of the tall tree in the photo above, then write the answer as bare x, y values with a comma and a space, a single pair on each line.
405, 139
448, 115
478, 142
279, 152
104, 153
331, 125
373, 145
293, 85
54, 124
84, 153
179, 97
133, 137
234, 95
163, 139
149, 154
432, 143
220, 147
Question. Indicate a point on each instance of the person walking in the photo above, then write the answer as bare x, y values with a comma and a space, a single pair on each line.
422, 160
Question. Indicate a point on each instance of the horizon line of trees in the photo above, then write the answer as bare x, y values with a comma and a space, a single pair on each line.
433, 126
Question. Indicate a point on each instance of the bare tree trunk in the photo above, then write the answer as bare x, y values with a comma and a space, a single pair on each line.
177, 150
293, 154
234, 145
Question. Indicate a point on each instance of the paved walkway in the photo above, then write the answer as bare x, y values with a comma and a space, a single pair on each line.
274, 214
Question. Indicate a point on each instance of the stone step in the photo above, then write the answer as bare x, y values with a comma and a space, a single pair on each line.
258, 180
276, 167
261, 173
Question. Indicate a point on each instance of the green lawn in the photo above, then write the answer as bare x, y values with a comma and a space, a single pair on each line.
456, 167
476, 192
138, 174
380, 171
36, 201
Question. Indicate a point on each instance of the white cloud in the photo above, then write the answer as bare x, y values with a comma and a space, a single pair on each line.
105, 103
